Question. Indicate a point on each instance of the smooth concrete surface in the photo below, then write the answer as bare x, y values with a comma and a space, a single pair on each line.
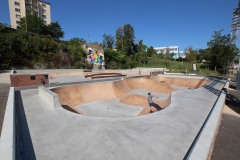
109, 108
130, 91
143, 92
51, 97
204, 144
168, 134
8, 138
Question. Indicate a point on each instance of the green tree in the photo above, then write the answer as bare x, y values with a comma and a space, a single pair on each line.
108, 41
191, 55
55, 30
151, 51
112, 59
125, 40
119, 38
76, 54
221, 51
34, 24
6, 50
204, 54
141, 47
129, 39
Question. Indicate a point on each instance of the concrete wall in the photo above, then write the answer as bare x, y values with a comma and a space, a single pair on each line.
203, 144
18, 80
49, 96
7, 140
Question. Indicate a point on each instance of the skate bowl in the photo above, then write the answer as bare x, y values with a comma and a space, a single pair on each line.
127, 97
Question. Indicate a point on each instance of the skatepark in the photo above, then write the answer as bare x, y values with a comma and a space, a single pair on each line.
79, 118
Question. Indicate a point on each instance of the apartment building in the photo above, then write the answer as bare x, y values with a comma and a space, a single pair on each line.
21, 8
172, 50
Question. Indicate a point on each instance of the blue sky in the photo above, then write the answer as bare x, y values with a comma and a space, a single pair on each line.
156, 22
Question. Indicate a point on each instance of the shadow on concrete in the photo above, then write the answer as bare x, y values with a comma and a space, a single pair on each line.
210, 87
24, 146
156, 106
218, 79
5, 71
69, 109
233, 101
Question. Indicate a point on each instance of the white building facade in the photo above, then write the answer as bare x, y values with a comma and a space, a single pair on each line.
172, 50
20, 8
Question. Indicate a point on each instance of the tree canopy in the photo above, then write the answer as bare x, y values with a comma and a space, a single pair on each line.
108, 41
36, 25
221, 51
41, 46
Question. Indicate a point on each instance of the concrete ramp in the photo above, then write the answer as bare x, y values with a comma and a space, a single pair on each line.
186, 82
107, 96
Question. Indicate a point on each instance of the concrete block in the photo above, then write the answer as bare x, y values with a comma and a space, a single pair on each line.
49, 96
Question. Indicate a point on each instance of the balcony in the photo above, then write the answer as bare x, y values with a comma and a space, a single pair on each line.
34, 4
28, 8
35, 9
28, 1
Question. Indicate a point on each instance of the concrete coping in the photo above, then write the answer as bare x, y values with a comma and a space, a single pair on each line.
8, 135
49, 96
11, 72
202, 147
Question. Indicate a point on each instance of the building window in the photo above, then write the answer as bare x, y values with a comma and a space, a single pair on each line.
17, 10
45, 76
44, 16
43, 5
28, 7
18, 22
43, 10
44, 22
18, 16
17, 3
32, 77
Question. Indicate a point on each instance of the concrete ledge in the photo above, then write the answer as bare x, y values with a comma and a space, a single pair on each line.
12, 72
8, 137
180, 74
49, 96
203, 145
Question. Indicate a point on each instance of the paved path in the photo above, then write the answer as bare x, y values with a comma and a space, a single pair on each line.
227, 141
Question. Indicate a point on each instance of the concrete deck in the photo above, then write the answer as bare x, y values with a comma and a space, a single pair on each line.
47, 133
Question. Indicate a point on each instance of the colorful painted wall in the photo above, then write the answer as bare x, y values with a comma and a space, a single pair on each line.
95, 54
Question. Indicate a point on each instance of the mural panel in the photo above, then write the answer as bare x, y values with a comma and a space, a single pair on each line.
95, 54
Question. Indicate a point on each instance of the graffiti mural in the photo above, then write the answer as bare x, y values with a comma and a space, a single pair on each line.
95, 55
